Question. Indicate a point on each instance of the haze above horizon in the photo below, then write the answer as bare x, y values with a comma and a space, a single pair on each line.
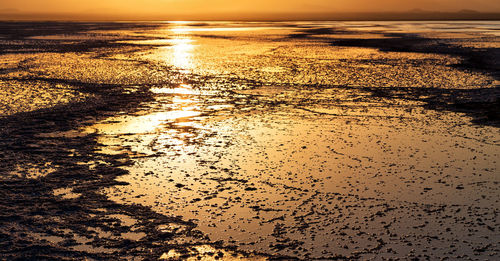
224, 9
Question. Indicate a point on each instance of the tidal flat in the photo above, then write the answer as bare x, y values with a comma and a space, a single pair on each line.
249, 140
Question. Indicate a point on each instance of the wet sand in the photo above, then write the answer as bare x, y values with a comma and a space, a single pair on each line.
219, 140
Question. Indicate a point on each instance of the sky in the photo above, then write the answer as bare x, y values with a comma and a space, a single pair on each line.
207, 7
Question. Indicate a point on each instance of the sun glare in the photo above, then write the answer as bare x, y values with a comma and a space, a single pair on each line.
182, 51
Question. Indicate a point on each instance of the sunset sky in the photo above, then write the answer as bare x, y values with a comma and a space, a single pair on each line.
207, 7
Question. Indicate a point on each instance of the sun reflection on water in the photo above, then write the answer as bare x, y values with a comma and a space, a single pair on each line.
183, 89
143, 124
182, 49
151, 126
182, 53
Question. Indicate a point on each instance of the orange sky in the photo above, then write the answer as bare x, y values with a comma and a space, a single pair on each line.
207, 7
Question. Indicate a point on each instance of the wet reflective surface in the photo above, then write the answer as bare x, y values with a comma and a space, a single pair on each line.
177, 140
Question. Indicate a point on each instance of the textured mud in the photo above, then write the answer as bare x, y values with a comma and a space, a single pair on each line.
249, 141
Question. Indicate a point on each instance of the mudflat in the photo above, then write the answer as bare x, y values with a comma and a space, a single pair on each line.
240, 140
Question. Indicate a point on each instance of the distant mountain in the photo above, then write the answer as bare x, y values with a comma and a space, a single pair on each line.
463, 11
418, 10
468, 11
9, 10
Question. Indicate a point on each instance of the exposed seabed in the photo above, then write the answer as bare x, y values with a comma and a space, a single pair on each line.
249, 141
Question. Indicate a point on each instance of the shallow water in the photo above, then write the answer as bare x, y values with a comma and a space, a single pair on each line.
294, 139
